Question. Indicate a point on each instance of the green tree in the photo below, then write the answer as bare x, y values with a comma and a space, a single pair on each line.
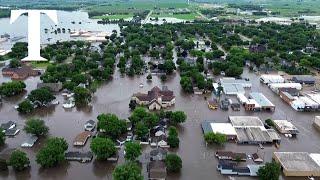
186, 84
178, 117
169, 66
103, 148
141, 130
133, 151
15, 63
271, 171
12, 88
36, 127
2, 137
163, 77
216, 138
269, 122
129, 170
111, 125
52, 153
41, 96
173, 139
25, 107
82, 96
19, 160
173, 163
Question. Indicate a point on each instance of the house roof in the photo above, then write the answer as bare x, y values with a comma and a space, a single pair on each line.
12, 132
31, 140
7, 125
77, 154
82, 137
52, 86
21, 71
92, 122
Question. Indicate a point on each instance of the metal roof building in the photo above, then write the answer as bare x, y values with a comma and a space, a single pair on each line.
263, 101
304, 79
245, 121
297, 164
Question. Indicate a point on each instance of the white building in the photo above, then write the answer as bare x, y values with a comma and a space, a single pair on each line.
275, 86
271, 78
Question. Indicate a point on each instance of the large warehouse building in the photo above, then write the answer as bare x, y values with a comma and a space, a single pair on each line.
300, 164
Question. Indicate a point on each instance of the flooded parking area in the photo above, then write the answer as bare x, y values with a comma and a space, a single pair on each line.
199, 161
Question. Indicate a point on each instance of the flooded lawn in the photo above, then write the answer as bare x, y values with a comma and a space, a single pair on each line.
113, 97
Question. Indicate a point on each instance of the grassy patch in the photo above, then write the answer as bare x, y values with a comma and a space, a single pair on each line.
41, 65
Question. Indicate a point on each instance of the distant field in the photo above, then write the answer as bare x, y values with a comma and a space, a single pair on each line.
190, 16
293, 8
113, 17
133, 6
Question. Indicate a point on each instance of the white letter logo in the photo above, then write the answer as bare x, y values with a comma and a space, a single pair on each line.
34, 30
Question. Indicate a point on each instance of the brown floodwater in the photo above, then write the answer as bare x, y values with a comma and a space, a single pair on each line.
113, 97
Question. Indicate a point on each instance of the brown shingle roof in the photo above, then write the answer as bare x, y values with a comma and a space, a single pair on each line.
154, 94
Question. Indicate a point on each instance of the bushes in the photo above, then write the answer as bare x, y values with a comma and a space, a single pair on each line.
215, 138
173, 163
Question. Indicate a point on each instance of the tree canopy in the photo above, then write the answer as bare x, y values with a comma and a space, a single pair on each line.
41, 96
19, 160
36, 127
103, 148
173, 162
133, 151
111, 125
270, 171
12, 88
129, 170
215, 138
52, 153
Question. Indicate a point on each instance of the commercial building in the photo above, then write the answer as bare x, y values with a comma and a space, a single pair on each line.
271, 78
222, 128
263, 101
231, 80
285, 127
304, 79
299, 164
276, 86
232, 86
250, 130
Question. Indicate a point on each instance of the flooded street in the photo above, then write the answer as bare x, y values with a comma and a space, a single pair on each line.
199, 161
